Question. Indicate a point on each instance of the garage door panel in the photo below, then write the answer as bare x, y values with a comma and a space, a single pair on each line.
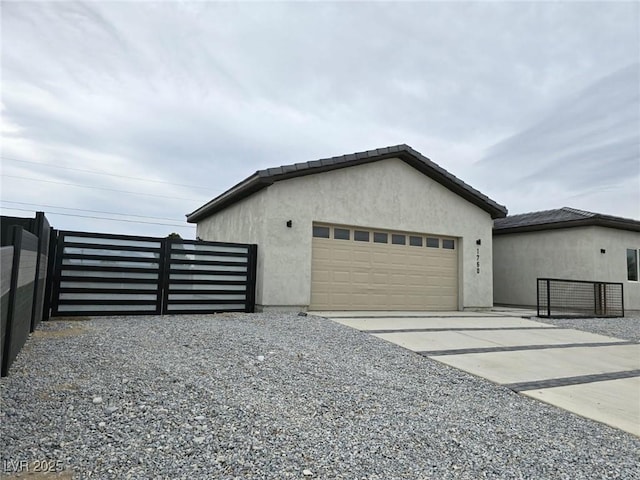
350, 275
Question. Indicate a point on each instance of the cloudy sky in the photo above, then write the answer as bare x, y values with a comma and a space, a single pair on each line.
144, 111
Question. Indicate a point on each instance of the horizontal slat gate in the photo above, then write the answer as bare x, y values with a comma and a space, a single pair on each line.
103, 274
209, 277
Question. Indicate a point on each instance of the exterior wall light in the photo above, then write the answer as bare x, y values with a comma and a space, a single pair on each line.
289, 223
478, 242
603, 251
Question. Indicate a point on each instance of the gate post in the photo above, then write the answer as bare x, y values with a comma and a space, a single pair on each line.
548, 298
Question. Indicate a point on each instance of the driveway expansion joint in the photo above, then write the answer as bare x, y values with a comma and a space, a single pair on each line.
463, 351
457, 329
567, 381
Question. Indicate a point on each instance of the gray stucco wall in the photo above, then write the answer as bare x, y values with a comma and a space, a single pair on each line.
386, 194
570, 253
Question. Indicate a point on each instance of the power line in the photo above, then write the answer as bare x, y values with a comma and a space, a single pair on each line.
105, 218
96, 172
97, 188
91, 211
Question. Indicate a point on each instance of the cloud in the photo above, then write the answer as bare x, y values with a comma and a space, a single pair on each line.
205, 93
585, 146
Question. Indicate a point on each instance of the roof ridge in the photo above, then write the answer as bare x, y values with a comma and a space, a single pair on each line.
577, 211
265, 177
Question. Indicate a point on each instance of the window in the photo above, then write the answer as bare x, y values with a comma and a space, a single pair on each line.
632, 265
415, 241
448, 244
360, 236
398, 239
341, 233
321, 232
379, 237
433, 242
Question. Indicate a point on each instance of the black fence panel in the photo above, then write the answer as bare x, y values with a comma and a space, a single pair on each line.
209, 277
579, 298
104, 274
16, 321
38, 226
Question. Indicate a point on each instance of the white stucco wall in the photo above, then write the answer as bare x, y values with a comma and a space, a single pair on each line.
570, 253
387, 194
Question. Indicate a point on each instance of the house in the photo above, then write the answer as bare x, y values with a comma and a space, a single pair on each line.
385, 229
565, 243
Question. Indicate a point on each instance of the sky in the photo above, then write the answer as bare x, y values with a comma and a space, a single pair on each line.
140, 112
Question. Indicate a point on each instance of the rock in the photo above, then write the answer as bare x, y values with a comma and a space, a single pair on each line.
307, 473
200, 418
110, 409
102, 424
260, 358
97, 400
198, 440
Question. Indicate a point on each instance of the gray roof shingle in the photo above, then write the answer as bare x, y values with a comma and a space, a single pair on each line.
565, 217
264, 178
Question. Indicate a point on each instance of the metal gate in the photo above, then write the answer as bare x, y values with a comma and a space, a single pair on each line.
579, 298
104, 274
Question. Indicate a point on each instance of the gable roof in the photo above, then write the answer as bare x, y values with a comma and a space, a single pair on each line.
565, 217
264, 178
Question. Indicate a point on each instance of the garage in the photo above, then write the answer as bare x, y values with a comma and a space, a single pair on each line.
383, 229
355, 268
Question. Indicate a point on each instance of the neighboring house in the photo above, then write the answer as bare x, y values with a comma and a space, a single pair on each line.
566, 244
386, 229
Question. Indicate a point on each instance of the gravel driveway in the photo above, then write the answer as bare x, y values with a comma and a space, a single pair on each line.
278, 396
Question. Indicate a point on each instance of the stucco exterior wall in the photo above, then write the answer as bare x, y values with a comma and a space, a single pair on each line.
387, 194
242, 222
570, 253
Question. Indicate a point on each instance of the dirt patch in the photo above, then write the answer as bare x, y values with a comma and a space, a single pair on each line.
79, 318
59, 333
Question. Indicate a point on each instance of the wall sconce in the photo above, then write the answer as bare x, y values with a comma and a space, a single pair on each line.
478, 242
603, 251
289, 223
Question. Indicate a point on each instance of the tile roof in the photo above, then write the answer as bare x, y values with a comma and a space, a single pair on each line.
264, 178
560, 218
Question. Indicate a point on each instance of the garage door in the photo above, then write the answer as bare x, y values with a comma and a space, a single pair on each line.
357, 268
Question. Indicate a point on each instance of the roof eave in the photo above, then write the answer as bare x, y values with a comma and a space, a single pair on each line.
242, 190
596, 221
264, 178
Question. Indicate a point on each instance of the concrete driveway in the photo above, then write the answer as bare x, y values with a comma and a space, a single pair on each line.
592, 375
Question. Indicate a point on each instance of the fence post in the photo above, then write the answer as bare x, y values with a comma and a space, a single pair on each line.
163, 276
548, 298
51, 270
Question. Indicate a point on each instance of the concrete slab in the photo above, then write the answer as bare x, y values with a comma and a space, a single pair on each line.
467, 339
613, 402
392, 323
532, 365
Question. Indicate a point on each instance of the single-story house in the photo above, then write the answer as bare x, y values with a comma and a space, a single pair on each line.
565, 243
385, 229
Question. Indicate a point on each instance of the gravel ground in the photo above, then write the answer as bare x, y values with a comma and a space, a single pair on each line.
278, 396
627, 328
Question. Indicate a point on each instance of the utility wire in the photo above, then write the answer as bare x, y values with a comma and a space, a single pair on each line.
98, 188
105, 218
91, 211
96, 172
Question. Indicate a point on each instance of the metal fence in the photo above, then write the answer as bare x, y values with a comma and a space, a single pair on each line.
25, 244
103, 274
19, 269
579, 298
